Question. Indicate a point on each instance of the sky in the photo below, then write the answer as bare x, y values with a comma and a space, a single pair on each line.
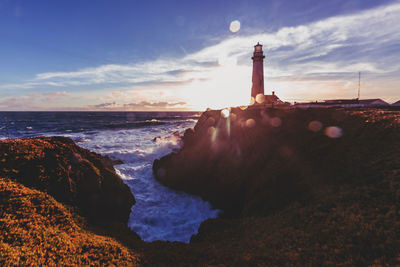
172, 55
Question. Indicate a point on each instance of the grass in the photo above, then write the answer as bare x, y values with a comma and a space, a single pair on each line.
38, 230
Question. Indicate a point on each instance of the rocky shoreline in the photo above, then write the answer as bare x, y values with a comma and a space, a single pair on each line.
71, 174
305, 183
297, 187
257, 161
56, 201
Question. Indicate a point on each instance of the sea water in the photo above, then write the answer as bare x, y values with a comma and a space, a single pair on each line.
137, 139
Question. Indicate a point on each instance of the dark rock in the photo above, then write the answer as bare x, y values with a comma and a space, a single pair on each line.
118, 162
261, 160
71, 174
189, 136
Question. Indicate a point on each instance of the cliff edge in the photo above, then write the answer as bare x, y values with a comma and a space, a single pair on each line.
256, 161
316, 187
71, 174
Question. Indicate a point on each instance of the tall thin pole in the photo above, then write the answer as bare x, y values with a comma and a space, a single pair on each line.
359, 84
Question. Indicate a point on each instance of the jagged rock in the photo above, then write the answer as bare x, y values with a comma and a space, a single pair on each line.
117, 162
260, 160
71, 174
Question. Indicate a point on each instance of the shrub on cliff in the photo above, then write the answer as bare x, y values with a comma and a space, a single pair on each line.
37, 230
70, 174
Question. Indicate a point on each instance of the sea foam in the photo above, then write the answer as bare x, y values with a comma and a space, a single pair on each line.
159, 213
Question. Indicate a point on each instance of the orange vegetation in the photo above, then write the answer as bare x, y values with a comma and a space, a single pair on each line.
69, 173
297, 194
37, 230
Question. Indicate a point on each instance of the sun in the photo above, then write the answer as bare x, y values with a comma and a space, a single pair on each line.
225, 85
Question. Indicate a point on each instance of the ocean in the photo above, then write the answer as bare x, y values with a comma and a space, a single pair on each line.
135, 138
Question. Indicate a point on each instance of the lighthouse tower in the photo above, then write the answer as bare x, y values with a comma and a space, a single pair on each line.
258, 72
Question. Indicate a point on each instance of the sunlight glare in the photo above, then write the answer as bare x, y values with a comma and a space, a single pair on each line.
275, 122
224, 60
315, 126
233, 116
260, 98
265, 117
225, 113
210, 121
211, 130
234, 26
334, 132
225, 86
250, 123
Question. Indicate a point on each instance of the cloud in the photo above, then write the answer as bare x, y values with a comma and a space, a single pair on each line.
33, 101
167, 70
305, 61
140, 106
330, 45
105, 105
55, 96
155, 105
322, 46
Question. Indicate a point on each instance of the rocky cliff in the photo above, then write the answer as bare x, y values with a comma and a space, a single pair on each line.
256, 161
298, 187
37, 230
69, 173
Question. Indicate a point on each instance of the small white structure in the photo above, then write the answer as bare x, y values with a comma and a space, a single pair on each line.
345, 103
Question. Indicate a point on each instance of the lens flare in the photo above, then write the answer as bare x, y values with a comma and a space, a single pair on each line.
264, 116
235, 26
260, 98
225, 113
214, 134
250, 123
275, 122
211, 130
210, 121
315, 126
334, 132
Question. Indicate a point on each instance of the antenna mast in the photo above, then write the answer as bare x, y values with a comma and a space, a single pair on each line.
359, 79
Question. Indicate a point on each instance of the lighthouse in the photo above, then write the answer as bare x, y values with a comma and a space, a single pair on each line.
258, 73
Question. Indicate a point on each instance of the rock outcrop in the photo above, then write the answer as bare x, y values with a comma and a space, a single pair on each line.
304, 187
69, 173
299, 187
37, 230
258, 161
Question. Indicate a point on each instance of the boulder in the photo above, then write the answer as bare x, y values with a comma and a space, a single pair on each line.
71, 174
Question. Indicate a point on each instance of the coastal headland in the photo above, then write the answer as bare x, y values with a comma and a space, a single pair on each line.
256, 161
55, 200
296, 187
